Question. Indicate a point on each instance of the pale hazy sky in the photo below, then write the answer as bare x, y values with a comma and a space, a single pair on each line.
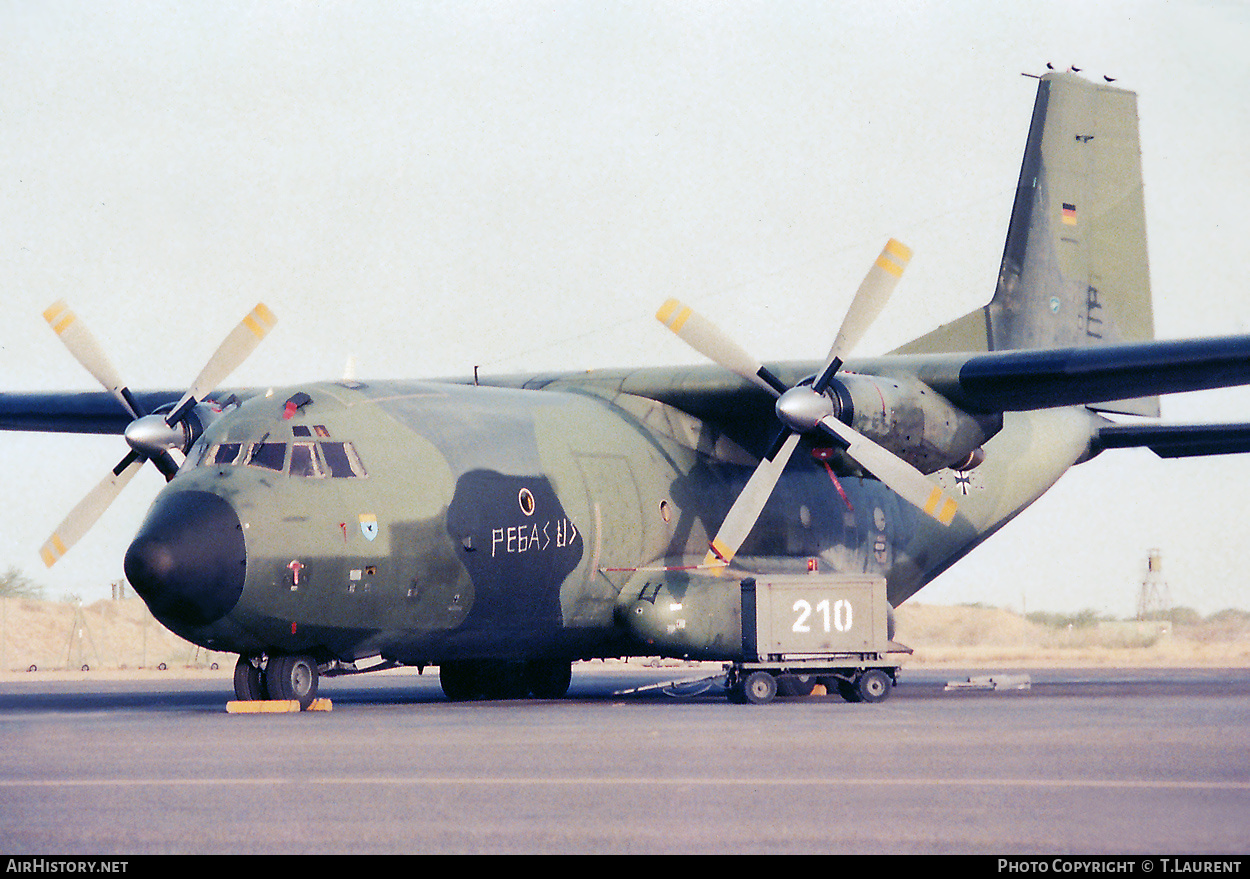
426, 187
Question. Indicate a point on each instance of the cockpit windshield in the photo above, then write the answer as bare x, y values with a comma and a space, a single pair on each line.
267, 456
309, 458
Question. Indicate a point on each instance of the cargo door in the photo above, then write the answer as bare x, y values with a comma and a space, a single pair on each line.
613, 535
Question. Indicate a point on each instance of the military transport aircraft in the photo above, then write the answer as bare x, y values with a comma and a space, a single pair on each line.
502, 529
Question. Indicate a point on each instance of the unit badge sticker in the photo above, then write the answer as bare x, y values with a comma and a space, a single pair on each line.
369, 525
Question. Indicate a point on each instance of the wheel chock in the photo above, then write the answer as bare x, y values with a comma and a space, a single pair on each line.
275, 706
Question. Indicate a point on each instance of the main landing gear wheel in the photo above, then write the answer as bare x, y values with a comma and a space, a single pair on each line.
459, 680
293, 678
249, 681
548, 678
463, 680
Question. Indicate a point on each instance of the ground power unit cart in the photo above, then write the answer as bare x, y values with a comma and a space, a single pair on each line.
802, 630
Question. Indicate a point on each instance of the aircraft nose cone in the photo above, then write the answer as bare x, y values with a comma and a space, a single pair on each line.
189, 560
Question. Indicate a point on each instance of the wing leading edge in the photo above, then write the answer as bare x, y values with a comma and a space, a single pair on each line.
74, 412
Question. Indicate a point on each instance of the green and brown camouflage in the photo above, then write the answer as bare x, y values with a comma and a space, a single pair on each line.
503, 528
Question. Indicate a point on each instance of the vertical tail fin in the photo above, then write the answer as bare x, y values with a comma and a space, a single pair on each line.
1074, 271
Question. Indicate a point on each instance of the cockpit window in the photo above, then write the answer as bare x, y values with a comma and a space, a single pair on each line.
268, 456
309, 459
342, 460
226, 453
304, 461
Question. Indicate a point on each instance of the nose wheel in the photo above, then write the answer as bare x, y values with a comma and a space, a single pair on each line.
249, 681
286, 678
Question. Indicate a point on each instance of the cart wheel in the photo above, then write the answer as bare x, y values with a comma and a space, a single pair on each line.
873, 685
759, 688
796, 685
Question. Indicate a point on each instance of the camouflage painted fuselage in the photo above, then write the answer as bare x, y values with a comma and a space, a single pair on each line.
499, 522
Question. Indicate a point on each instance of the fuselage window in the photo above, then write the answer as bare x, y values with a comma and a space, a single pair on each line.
342, 460
268, 456
304, 461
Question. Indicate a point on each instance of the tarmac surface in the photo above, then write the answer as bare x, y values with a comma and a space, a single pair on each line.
1143, 762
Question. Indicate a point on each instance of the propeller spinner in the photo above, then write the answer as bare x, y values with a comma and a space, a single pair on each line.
151, 437
809, 406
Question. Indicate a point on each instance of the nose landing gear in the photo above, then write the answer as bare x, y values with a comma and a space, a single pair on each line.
282, 678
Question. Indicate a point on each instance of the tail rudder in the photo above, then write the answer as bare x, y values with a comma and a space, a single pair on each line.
1074, 271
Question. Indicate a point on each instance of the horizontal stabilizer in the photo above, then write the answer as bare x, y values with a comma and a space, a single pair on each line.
1176, 440
1007, 381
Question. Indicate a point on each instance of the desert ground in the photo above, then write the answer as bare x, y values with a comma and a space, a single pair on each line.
119, 638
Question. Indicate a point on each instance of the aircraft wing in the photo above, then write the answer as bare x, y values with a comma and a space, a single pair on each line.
74, 412
1007, 381
1000, 381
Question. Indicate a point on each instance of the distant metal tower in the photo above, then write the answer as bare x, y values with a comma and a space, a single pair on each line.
1155, 601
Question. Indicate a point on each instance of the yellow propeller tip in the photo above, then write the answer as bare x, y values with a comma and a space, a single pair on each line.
897, 248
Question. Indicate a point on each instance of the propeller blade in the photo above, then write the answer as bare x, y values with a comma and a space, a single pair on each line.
87, 351
869, 300
236, 347
895, 473
89, 509
746, 510
705, 337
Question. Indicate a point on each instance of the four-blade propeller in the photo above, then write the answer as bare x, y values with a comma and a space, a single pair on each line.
803, 408
808, 407
151, 437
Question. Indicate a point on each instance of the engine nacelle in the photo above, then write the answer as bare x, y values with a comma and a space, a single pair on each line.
913, 421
